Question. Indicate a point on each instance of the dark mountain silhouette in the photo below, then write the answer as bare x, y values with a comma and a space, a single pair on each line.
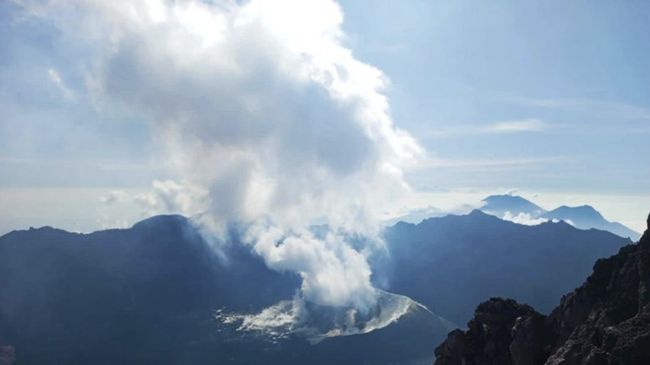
149, 295
604, 321
453, 262
586, 217
583, 217
500, 204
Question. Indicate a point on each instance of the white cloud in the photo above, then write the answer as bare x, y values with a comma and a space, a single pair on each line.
512, 191
613, 109
168, 196
268, 119
517, 126
528, 125
56, 79
112, 197
523, 218
435, 162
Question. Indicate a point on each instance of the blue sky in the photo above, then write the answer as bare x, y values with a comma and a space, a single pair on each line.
550, 98
579, 69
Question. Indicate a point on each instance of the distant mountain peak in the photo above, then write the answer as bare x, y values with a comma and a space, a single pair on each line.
162, 219
581, 209
477, 213
587, 217
499, 205
509, 197
520, 210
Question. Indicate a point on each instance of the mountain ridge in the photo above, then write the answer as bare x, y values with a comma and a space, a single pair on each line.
160, 283
514, 207
587, 217
488, 256
149, 294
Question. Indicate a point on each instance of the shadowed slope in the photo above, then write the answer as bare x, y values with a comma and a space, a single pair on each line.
451, 263
150, 294
604, 321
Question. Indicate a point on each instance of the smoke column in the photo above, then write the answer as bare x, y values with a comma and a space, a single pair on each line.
267, 119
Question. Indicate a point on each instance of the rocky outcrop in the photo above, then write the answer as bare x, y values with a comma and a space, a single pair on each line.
605, 321
497, 325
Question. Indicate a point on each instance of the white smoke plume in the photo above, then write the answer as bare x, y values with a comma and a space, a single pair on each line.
267, 117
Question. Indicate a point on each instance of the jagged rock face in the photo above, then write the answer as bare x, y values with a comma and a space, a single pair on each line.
490, 334
605, 321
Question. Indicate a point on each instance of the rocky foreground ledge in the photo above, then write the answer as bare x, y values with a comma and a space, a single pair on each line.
605, 321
